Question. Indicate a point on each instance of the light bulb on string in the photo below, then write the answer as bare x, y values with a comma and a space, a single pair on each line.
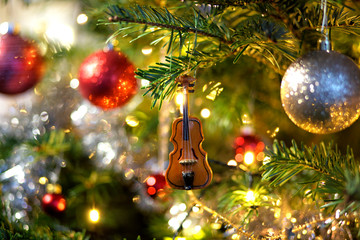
249, 158
94, 215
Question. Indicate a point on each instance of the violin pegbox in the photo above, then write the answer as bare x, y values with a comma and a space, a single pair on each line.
187, 82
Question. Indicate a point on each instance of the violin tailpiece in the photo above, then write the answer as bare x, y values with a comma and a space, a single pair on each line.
188, 179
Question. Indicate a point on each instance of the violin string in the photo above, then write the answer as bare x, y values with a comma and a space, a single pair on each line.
190, 144
190, 152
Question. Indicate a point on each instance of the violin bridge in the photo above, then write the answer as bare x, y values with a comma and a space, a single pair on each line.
188, 161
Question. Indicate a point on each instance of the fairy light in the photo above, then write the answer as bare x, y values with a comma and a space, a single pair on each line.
174, 210
43, 180
47, 198
277, 213
195, 209
132, 121
4, 27
74, 83
82, 19
179, 99
146, 50
187, 223
182, 206
249, 158
60, 33
235, 236
61, 204
151, 181
145, 83
94, 215
205, 113
250, 196
232, 162
246, 119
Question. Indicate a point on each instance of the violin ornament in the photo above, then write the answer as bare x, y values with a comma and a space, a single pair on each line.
188, 166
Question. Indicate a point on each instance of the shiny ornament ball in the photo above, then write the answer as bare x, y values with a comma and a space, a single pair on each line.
155, 185
53, 204
107, 79
320, 92
21, 65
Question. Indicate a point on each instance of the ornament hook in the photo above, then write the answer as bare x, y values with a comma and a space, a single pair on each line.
324, 42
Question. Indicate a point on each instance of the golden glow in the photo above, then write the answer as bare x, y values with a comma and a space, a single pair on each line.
249, 158
288, 215
132, 121
246, 119
94, 215
4, 27
57, 188
53, 188
43, 180
179, 99
61, 33
82, 18
216, 226
250, 196
235, 236
205, 113
195, 209
146, 50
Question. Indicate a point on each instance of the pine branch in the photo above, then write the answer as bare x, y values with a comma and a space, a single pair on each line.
333, 174
53, 143
161, 17
232, 2
285, 163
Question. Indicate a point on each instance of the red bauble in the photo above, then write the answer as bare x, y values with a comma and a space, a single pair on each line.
53, 204
155, 185
248, 143
107, 79
21, 65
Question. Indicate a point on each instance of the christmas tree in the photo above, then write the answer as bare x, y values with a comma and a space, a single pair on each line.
205, 119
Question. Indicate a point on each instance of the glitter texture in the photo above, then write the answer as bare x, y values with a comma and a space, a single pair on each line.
319, 92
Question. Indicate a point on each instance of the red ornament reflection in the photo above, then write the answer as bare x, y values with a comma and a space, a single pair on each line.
248, 143
107, 79
53, 204
21, 65
155, 185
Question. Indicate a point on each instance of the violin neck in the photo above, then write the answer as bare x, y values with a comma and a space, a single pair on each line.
186, 115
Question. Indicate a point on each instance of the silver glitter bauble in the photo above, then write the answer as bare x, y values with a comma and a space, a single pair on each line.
320, 92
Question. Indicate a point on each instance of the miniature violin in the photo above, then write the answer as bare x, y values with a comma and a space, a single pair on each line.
188, 166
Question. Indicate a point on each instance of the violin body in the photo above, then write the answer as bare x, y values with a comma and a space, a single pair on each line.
188, 166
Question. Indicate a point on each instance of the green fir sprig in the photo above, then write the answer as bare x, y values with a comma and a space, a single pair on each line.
333, 176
